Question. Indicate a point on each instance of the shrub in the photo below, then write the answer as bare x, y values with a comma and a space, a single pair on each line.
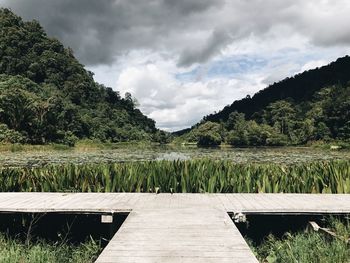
10, 136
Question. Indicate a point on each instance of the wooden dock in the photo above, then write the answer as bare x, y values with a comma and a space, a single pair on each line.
176, 227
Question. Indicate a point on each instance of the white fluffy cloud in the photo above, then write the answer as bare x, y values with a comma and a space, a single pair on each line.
175, 104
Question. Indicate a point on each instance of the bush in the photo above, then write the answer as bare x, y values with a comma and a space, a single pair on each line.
209, 139
161, 137
10, 136
253, 134
307, 247
69, 139
209, 134
237, 138
277, 139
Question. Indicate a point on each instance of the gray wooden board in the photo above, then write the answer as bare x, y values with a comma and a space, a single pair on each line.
176, 227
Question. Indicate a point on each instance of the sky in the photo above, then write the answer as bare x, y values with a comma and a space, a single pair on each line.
184, 59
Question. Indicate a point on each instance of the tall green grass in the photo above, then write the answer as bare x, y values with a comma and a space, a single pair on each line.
307, 247
14, 250
195, 176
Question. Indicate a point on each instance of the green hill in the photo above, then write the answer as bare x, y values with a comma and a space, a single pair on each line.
46, 95
314, 105
298, 88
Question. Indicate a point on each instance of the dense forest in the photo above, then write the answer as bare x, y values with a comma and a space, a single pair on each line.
46, 95
311, 106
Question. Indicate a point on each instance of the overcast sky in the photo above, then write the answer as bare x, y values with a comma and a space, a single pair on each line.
183, 59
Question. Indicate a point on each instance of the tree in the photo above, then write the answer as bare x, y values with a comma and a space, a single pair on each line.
209, 134
281, 114
238, 138
322, 132
303, 131
18, 109
162, 137
235, 120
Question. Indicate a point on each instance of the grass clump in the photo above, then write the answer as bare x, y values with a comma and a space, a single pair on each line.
307, 247
60, 147
14, 251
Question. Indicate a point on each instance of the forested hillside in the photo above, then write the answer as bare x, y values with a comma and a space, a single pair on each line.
298, 88
311, 106
46, 95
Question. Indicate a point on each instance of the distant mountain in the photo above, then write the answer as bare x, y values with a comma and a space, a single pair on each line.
311, 106
299, 88
46, 95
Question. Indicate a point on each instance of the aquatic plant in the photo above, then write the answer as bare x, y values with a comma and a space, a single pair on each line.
189, 176
305, 247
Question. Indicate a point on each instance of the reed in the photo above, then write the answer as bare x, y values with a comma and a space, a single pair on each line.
306, 246
194, 176
41, 251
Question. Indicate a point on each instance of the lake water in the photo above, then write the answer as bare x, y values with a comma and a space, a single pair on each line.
258, 155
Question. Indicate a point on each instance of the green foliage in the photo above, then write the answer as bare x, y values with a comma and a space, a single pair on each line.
13, 250
60, 147
307, 247
10, 136
282, 115
283, 122
237, 138
16, 147
277, 139
259, 134
321, 132
162, 137
235, 121
48, 96
69, 139
209, 134
196, 176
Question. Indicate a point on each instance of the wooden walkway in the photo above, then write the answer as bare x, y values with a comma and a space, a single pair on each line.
176, 227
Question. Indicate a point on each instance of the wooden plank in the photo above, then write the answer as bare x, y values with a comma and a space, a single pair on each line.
175, 234
170, 259
288, 203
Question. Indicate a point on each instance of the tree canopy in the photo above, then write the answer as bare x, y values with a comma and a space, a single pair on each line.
46, 95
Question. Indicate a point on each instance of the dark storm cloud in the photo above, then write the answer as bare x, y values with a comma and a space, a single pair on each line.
216, 41
193, 31
100, 30
90, 27
191, 6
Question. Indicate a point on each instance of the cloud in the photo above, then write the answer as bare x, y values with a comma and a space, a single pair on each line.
218, 39
100, 31
191, 6
191, 31
313, 64
175, 104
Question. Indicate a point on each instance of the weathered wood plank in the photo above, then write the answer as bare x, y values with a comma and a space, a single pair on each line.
176, 234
